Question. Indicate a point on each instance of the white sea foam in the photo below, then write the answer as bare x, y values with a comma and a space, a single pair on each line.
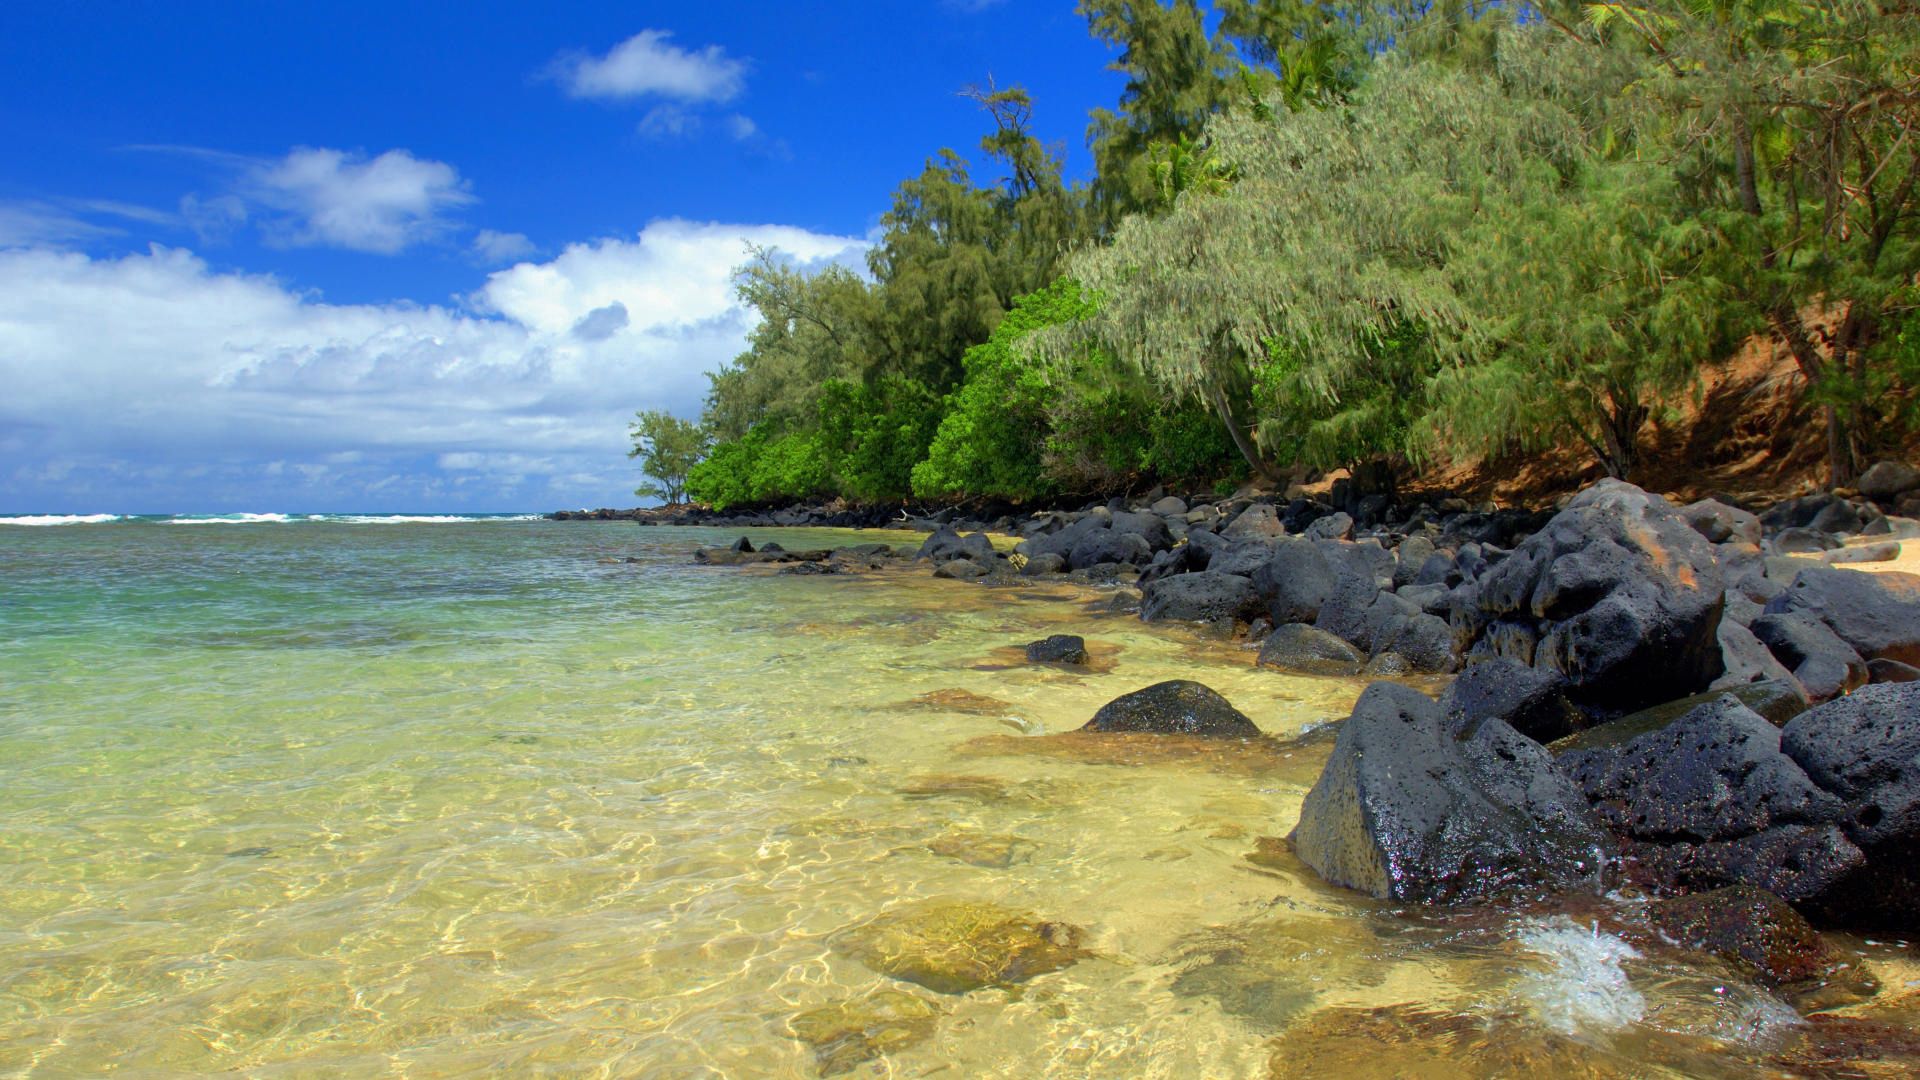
1584, 987
60, 519
414, 519
232, 519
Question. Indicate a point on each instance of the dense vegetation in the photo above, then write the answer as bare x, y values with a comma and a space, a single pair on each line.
1363, 235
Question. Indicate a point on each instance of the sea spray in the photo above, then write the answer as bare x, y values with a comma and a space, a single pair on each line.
1584, 987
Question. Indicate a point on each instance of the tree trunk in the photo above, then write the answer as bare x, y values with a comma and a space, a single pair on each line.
1620, 432
1262, 469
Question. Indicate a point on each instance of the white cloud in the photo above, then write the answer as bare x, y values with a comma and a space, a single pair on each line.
501, 247
127, 375
335, 198
668, 122
742, 127
648, 64
26, 224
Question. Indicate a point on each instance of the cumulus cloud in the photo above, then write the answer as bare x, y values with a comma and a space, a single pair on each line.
340, 199
668, 122
501, 247
648, 64
154, 382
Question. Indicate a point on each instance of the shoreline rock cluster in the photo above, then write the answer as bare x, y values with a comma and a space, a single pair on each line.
1684, 698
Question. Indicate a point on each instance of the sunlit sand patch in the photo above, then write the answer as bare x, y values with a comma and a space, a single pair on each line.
1282, 761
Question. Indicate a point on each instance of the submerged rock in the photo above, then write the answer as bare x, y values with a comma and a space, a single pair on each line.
1423, 1042
992, 851
847, 1034
1410, 807
1756, 931
957, 946
957, 700
1058, 649
1177, 706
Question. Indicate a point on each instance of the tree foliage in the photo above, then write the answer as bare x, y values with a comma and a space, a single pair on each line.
668, 448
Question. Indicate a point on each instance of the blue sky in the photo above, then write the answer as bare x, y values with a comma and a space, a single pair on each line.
413, 257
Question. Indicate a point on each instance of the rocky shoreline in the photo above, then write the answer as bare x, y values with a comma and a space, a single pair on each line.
1701, 704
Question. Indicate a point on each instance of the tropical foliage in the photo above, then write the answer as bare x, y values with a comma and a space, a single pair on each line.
1362, 235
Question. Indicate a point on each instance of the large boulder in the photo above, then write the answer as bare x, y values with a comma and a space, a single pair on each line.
1208, 596
1720, 523
1877, 614
1413, 808
1710, 800
1345, 611
1888, 479
1618, 593
1423, 642
1825, 665
1865, 749
1308, 650
1175, 707
1295, 581
1149, 527
1533, 701
1257, 522
1107, 546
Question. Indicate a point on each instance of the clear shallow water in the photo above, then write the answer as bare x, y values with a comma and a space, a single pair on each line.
351, 799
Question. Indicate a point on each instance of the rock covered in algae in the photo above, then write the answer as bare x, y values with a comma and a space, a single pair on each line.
956, 946
1751, 928
1177, 706
849, 1033
992, 851
1417, 1042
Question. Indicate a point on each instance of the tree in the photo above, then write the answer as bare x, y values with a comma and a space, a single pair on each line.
1797, 126
668, 448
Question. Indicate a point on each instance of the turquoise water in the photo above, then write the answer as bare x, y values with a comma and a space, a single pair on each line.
342, 798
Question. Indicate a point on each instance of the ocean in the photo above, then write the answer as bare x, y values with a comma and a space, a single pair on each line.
307, 795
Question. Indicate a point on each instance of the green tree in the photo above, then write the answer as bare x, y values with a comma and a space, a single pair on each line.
1797, 124
668, 448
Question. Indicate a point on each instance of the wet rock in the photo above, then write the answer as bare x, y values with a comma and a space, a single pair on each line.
1208, 596
1865, 749
1756, 931
1887, 480
1058, 649
1710, 800
1877, 614
1533, 701
741, 545
1295, 581
957, 946
961, 570
1775, 701
1177, 706
1623, 596
847, 1034
1822, 663
1411, 808
1309, 650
